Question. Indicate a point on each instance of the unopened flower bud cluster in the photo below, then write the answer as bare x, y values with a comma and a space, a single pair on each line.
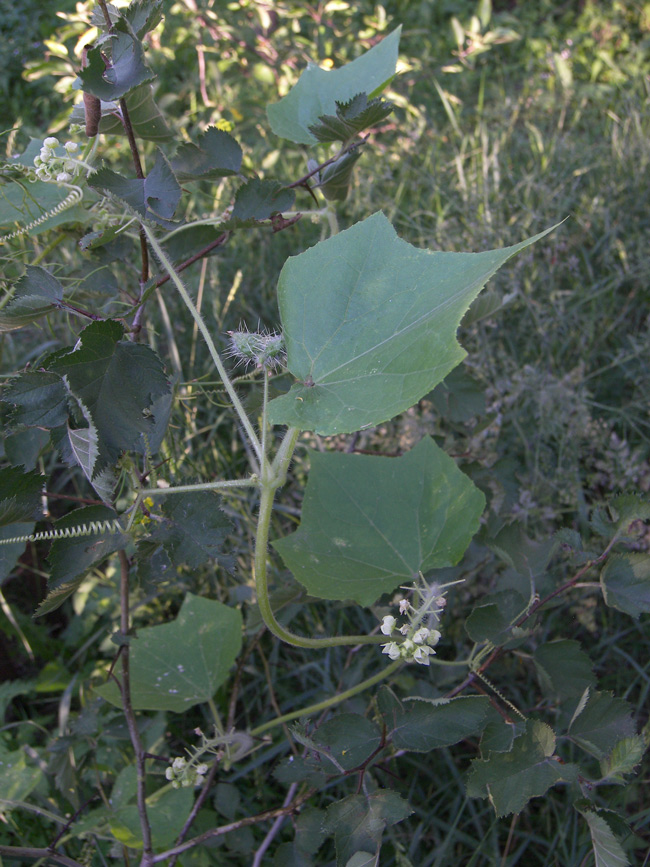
51, 165
418, 640
182, 773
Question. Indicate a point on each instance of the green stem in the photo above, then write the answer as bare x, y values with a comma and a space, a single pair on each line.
329, 702
216, 358
199, 486
274, 477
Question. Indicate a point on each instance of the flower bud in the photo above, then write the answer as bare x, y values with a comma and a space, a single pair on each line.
388, 624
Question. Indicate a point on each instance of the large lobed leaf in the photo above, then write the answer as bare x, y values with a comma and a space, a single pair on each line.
370, 324
182, 663
318, 90
371, 523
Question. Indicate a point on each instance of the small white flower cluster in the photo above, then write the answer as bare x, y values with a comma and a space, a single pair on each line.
51, 166
182, 773
419, 640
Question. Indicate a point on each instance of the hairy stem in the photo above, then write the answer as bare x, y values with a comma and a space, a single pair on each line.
274, 477
129, 713
216, 358
329, 702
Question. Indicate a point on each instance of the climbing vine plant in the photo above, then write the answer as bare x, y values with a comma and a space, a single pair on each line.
366, 329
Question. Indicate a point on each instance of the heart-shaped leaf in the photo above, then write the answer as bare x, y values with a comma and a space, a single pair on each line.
370, 324
371, 523
182, 663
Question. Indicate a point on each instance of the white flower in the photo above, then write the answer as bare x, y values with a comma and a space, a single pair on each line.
175, 784
392, 650
51, 142
37, 161
46, 155
388, 624
199, 780
421, 636
405, 629
434, 637
422, 654
404, 606
169, 773
202, 769
71, 146
179, 763
43, 175
63, 178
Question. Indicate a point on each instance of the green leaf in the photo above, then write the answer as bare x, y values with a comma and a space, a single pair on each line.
422, 725
143, 15
20, 495
623, 759
318, 90
625, 580
10, 553
351, 118
23, 448
259, 199
146, 119
357, 822
370, 523
299, 769
195, 529
349, 738
179, 664
40, 399
460, 397
127, 69
215, 155
608, 851
9, 690
370, 324
117, 381
511, 779
19, 777
154, 197
335, 179
563, 668
492, 620
37, 294
167, 817
71, 558
600, 723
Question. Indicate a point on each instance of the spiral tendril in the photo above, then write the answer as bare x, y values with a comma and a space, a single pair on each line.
90, 529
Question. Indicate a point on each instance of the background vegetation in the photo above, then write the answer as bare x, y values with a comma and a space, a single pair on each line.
509, 119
